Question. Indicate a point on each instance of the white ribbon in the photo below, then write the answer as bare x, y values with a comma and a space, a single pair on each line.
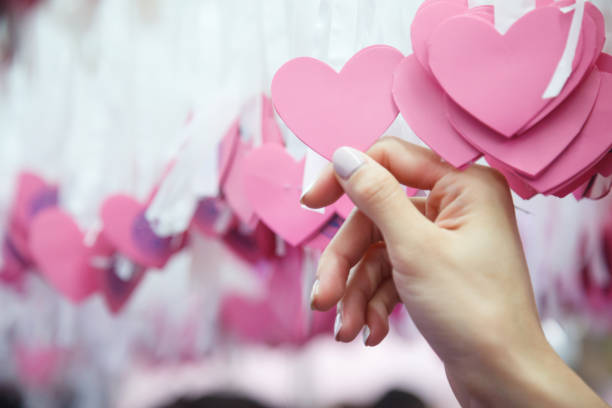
564, 68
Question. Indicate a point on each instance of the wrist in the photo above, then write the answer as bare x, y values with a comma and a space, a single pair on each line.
526, 375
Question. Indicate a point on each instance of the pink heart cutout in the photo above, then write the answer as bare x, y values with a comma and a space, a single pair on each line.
127, 229
577, 162
58, 249
273, 184
117, 291
421, 103
490, 75
531, 152
327, 110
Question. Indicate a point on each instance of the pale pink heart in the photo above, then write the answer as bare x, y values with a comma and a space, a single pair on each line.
533, 151
592, 38
58, 249
328, 110
516, 182
499, 79
273, 184
578, 161
127, 228
421, 103
427, 19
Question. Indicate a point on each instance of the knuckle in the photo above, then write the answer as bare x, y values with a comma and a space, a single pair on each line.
373, 189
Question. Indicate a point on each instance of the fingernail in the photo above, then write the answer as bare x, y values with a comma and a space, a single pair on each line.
314, 292
346, 162
337, 324
366, 334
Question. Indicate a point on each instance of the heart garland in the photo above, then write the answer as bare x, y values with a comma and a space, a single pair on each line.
469, 91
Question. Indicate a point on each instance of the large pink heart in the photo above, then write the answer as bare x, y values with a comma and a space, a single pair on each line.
327, 110
58, 249
530, 153
273, 184
421, 102
499, 79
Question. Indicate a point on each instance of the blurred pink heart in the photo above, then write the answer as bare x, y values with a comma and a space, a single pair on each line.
58, 249
273, 184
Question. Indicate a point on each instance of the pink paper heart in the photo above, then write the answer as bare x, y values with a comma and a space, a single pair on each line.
327, 110
58, 249
593, 37
421, 103
578, 161
490, 75
273, 184
126, 227
533, 151
427, 19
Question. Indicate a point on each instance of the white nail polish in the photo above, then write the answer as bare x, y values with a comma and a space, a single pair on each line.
337, 325
366, 334
315, 291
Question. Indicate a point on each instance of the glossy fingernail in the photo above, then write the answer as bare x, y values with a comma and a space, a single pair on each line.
337, 324
346, 162
314, 292
366, 334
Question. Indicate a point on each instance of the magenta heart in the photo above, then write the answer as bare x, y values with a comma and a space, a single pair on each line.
499, 79
421, 103
58, 249
530, 153
327, 110
273, 185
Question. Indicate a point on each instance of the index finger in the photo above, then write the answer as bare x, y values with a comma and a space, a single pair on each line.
412, 166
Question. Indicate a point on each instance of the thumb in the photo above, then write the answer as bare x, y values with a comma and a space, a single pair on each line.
379, 195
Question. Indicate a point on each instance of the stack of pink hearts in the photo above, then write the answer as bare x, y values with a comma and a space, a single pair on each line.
469, 91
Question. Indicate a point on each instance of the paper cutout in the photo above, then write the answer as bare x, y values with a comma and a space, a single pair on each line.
421, 103
273, 184
427, 19
126, 227
490, 75
593, 36
57, 247
531, 152
328, 110
575, 165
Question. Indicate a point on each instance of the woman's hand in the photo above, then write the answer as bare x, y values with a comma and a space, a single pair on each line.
454, 259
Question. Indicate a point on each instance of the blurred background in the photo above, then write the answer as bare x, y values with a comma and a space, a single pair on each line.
134, 97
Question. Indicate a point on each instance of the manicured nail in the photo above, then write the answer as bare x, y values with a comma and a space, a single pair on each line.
314, 292
346, 162
366, 334
337, 324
